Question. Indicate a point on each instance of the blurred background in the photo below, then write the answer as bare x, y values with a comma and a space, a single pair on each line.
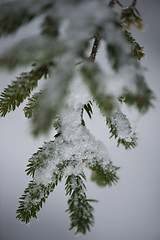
129, 210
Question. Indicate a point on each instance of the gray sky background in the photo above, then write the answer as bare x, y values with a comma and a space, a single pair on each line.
128, 211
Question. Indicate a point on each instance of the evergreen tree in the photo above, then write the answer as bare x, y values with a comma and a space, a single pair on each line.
64, 53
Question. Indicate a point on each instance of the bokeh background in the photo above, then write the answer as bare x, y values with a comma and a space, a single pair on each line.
129, 210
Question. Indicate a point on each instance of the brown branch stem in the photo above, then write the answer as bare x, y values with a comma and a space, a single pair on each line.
94, 49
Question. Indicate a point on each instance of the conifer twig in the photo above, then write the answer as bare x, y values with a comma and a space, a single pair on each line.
94, 49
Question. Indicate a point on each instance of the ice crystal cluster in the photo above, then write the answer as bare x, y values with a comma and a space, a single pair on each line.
63, 51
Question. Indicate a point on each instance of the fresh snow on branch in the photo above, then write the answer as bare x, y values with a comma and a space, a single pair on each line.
64, 51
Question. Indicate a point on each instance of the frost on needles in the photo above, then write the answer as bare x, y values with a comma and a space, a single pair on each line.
64, 53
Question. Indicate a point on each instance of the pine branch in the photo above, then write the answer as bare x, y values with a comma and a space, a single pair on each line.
137, 50
51, 100
104, 175
19, 90
117, 56
43, 156
33, 198
120, 128
32, 105
142, 99
40, 158
79, 208
37, 192
35, 49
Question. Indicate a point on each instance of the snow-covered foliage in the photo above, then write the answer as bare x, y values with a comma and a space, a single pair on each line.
64, 52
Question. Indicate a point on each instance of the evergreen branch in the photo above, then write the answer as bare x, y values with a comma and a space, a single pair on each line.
36, 193
79, 208
40, 158
32, 105
35, 49
137, 50
116, 56
92, 75
14, 14
142, 99
19, 90
131, 143
33, 198
104, 176
120, 128
52, 99
119, 57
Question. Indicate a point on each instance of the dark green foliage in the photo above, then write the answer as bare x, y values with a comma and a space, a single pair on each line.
104, 177
81, 212
128, 144
88, 108
92, 75
50, 27
10, 22
15, 14
39, 159
114, 53
116, 56
116, 50
19, 90
35, 49
143, 99
32, 200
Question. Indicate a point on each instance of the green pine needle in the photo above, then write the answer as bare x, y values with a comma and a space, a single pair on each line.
81, 212
19, 90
